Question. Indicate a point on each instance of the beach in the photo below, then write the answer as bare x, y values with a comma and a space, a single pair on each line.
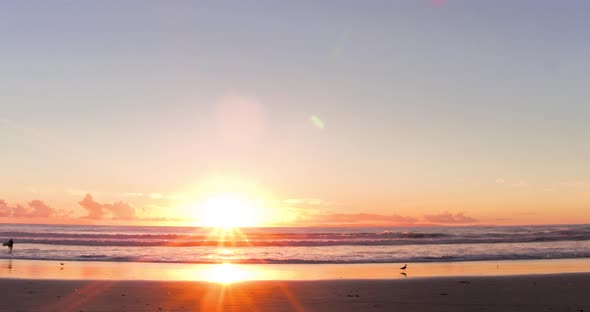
96, 268
520, 285
567, 292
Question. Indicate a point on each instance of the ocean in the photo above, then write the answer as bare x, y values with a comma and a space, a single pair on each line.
294, 245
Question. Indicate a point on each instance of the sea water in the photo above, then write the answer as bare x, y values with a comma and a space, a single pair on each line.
294, 245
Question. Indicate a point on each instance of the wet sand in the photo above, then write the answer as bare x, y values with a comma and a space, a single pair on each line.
565, 292
529, 285
102, 270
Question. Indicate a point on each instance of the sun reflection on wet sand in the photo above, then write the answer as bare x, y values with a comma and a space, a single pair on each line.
226, 273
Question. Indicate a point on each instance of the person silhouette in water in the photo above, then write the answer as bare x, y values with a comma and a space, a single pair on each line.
9, 243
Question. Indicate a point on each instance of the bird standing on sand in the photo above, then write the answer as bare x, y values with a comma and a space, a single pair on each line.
9, 243
404, 267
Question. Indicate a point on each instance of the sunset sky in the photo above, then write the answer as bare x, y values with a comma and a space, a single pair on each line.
302, 113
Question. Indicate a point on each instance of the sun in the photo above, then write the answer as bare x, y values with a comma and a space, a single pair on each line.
228, 211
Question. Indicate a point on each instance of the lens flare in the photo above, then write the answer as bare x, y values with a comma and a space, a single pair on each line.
317, 121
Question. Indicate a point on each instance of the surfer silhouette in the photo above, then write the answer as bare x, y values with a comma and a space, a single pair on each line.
9, 244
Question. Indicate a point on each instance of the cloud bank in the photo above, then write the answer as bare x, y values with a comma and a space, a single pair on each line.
310, 212
366, 218
34, 209
373, 219
449, 218
117, 211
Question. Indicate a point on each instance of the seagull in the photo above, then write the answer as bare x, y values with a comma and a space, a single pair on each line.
404, 267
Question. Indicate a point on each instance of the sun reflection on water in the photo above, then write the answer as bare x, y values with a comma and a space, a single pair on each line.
225, 252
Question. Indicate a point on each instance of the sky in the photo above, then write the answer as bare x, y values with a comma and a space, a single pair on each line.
304, 113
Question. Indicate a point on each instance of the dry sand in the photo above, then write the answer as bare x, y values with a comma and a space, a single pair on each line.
565, 292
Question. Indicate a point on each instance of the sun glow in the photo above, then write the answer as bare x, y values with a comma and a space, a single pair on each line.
228, 211
227, 273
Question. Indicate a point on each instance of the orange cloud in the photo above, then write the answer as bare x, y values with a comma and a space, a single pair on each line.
40, 209
367, 217
5, 210
449, 218
94, 209
34, 209
373, 219
118, 210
